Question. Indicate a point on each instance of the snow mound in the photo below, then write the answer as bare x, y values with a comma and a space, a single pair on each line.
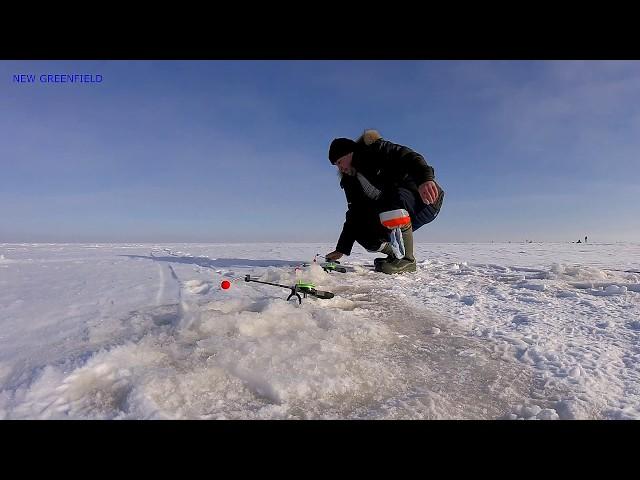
540, 287
197, 287
532, 412
561, 271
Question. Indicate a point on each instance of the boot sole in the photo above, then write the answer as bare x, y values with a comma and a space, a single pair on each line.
411, 269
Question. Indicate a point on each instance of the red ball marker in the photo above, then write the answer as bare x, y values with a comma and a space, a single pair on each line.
225, 284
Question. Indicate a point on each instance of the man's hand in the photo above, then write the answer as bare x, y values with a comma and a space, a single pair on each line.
333, 256
428, 192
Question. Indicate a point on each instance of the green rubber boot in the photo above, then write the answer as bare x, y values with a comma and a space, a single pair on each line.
388, 251
408, 262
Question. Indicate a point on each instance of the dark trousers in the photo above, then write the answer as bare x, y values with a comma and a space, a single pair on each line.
371, 233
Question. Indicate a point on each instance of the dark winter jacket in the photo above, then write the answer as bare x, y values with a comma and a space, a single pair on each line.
387, 166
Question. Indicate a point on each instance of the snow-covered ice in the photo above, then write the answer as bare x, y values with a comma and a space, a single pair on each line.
480, 331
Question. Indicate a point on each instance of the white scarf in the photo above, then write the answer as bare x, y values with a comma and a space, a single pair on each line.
369, 190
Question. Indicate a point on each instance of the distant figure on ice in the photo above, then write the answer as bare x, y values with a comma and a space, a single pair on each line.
585, 239
391, 192
578, 241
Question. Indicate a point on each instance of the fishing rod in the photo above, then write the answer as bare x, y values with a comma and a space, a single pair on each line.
328, 266
305, 288
332, 266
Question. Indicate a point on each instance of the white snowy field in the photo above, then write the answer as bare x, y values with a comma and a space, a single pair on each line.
480, 331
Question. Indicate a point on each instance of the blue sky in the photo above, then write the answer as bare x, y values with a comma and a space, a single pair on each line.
216, 151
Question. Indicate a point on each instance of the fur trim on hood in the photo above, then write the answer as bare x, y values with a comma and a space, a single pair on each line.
369, 136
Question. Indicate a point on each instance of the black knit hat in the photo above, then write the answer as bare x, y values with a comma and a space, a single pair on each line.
340, 147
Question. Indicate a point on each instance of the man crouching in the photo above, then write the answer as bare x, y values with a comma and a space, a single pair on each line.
391, 192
